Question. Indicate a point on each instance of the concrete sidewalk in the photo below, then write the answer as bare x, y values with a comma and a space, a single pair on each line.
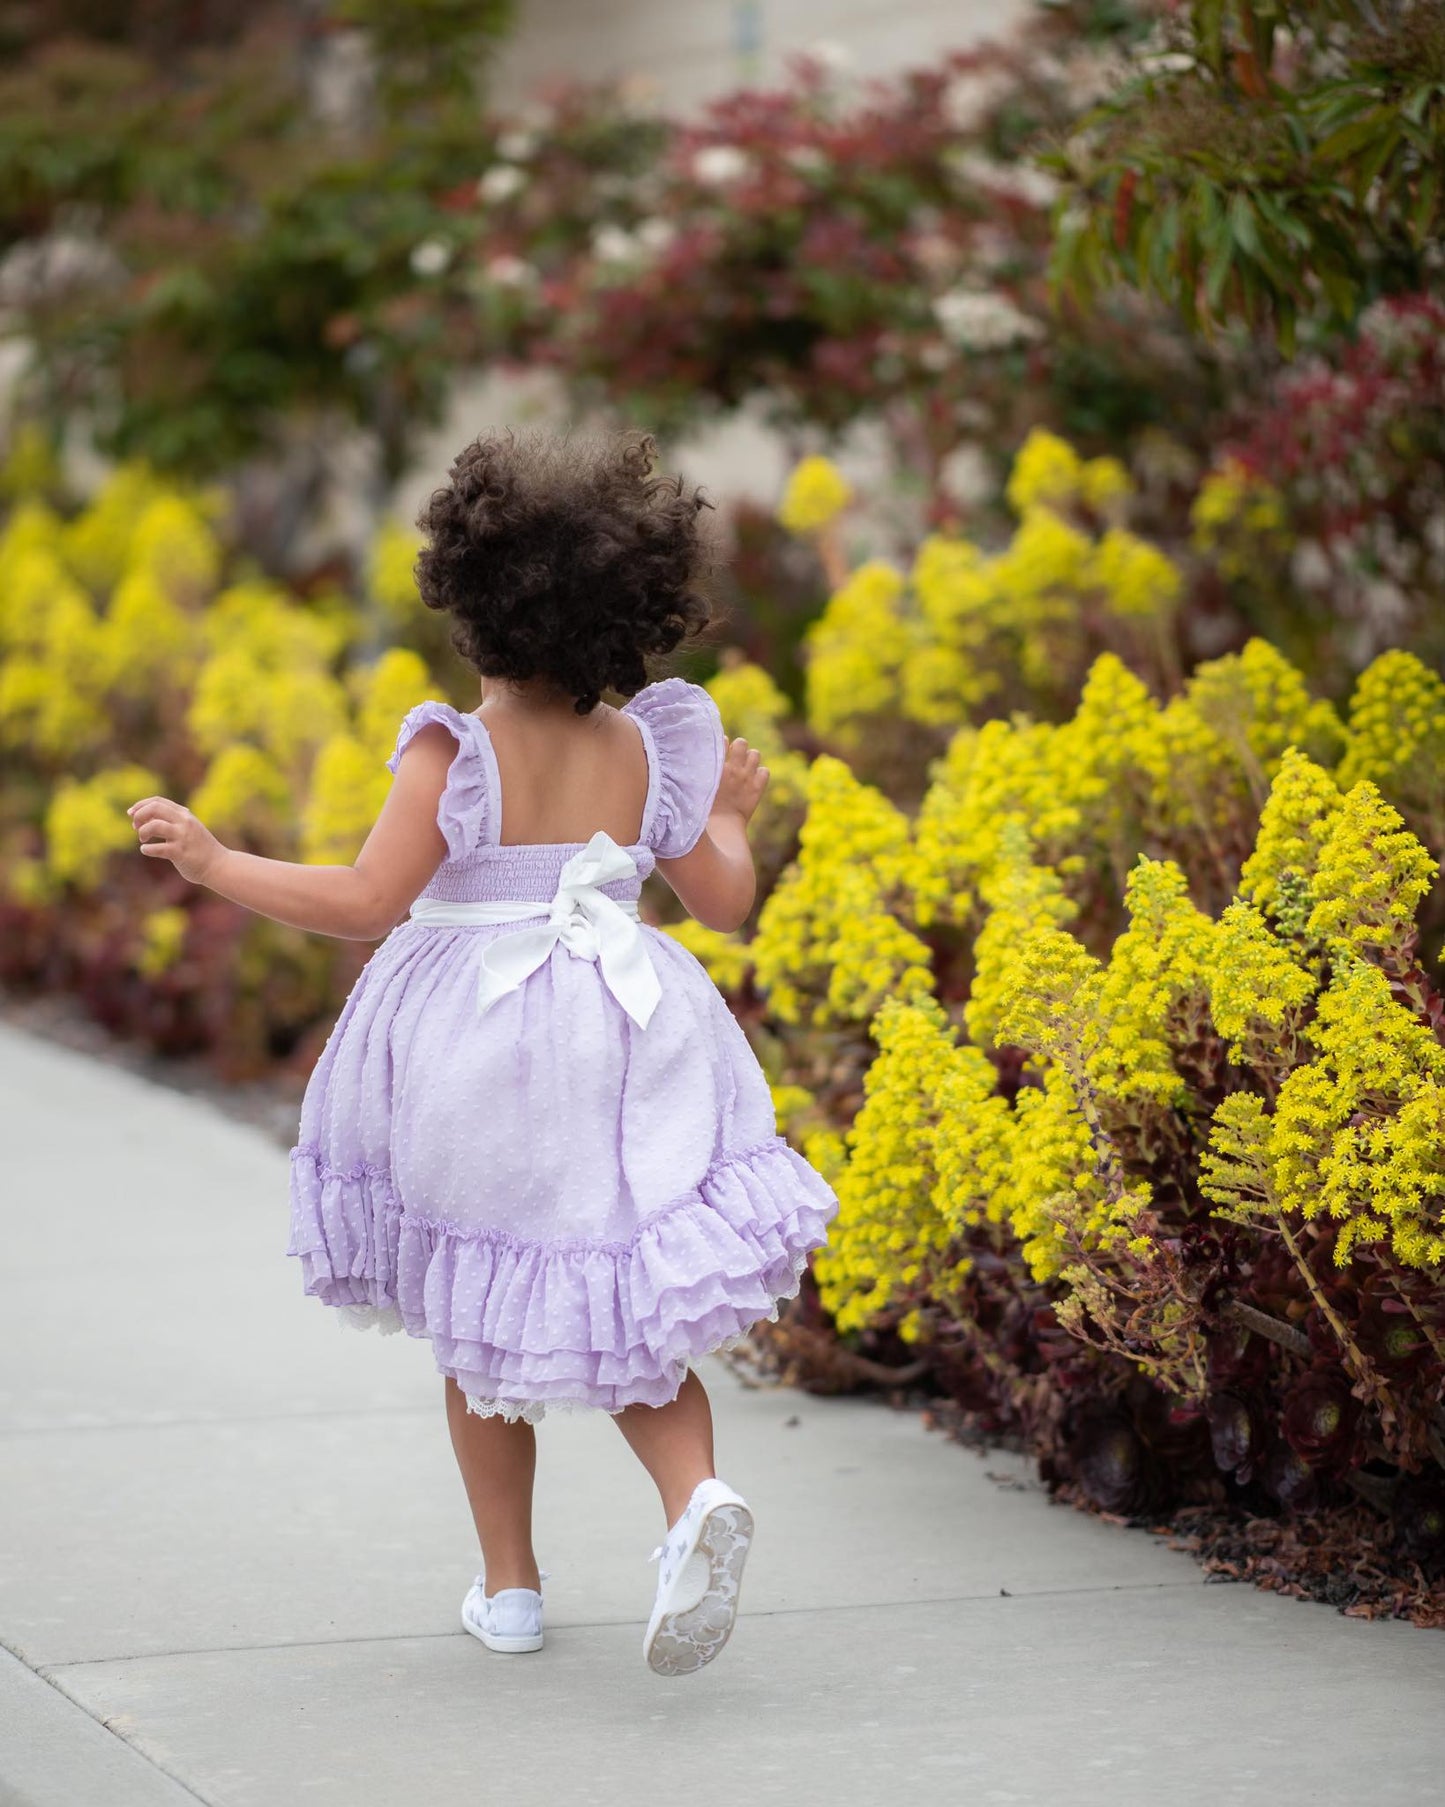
233, 1546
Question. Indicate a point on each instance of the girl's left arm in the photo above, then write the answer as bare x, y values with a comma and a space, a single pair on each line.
360, 902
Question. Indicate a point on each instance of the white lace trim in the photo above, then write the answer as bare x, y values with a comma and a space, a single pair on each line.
383, 1318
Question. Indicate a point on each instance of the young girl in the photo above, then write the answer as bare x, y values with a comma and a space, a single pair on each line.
536, 1134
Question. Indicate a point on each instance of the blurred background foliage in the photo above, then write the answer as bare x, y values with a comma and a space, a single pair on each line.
1097, 950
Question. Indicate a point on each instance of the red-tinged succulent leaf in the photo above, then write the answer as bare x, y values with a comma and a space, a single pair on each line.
1418, 1520
1321, 1421
1287, 1477
1388, 1333
1234, 1434
1236, 1357
1111, 1462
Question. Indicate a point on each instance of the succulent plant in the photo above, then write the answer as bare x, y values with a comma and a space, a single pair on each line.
1321, 1421
1237, 1357
1288, 1478
1111, 1462
1235, 1434
1418, 1520
1390, 1335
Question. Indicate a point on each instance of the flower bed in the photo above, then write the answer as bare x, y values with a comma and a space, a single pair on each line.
1120, 1048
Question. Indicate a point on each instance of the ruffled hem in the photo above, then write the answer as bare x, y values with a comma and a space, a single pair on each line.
524, 1327
386, 1321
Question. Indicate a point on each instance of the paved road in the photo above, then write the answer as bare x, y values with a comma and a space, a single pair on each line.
232, 1549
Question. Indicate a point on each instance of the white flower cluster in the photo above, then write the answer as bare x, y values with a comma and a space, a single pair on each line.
983, 319
516, 146
719, 164
1021, 180
616, 245
431, 257
501, 182
966, 101
807, 160
507, 272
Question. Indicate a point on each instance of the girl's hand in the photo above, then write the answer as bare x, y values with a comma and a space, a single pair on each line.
169, 831
743, 780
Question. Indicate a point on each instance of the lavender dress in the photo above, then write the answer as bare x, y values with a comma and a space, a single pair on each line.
570, 1205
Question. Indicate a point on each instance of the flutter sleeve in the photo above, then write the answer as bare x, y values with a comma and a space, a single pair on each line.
467, 804
687, 737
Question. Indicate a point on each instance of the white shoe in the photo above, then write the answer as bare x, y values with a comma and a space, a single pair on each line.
509, 1620
698, 1581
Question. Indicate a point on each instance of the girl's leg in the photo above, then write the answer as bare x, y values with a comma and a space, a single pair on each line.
673, 1442
498, 1463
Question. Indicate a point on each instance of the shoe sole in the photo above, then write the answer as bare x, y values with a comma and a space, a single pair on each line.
508, 1646
687, 1641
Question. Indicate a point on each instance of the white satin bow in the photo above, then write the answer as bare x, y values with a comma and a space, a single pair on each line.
581, 916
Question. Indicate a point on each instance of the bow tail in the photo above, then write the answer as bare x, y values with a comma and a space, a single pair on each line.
626, 965
510, 959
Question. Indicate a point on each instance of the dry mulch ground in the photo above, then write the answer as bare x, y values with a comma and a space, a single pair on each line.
1335, 1556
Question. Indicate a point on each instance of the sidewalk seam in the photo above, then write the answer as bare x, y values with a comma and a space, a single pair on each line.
780, 1612
45, 1674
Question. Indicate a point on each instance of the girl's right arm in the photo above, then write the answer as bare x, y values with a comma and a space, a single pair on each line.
359, 902
715, 880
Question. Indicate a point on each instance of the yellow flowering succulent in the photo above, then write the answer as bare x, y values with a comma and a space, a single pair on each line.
1160, 962
1053, 1196
1370, 878
297, 710
96, 545
1235, 515
1396, 738
728, 961
1135, 578
856, 650
992, 780
1355, 1135
391, 569
30, 467
892, 1234
30, 568
173, 543
347, 789
836, 903
148, 642
1105, 485
162, 936
790, 1104
244, 795
935, 646
1023, 898
272, 628
85, 822
1296, 819
1259, 704
816, 493
1047, 471
749, 702
386, 691
1258, 988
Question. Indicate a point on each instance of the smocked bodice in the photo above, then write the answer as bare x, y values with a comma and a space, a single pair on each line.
529, 873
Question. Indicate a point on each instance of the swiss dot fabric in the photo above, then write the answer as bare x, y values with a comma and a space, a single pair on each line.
570, 1208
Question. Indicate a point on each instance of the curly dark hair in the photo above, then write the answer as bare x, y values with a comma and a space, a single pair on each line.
565, 558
